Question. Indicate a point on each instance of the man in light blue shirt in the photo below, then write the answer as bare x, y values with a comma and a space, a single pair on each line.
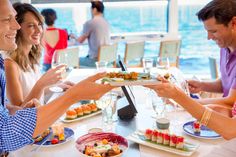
18, 130
97, 31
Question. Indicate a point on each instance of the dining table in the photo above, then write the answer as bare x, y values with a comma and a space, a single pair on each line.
142, 120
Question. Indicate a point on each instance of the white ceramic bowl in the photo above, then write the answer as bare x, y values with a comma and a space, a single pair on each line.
91, 138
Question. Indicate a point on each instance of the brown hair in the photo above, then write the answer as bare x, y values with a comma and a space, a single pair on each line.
25, 62
222, 10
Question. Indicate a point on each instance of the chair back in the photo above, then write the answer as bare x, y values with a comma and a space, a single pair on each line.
68, 56
134, 53
108, 53
170, 50
213, 67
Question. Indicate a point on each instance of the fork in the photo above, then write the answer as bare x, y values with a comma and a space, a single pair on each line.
39, 146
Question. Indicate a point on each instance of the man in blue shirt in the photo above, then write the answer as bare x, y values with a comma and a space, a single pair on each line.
17, 130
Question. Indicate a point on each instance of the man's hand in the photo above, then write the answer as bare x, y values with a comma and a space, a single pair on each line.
195, 86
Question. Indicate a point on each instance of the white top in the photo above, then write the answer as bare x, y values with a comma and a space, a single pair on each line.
28, 80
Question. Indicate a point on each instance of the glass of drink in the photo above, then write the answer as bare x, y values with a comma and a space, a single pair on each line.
101, 66
147, 64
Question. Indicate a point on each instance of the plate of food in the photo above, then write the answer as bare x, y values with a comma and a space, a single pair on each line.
81, 112
195, 129
101, 144
129, 78
164, 141
55, 135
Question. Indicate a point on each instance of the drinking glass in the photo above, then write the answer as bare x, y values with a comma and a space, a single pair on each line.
147, 64
101, 66
60, 60
107, 106
158, 105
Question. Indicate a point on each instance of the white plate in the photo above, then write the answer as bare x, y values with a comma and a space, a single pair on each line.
80, 118
191, 147
56, 89
134, 82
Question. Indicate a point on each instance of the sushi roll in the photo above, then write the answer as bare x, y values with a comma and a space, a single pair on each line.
86, 109
79, 111
196, 127
148, 134
180, 142
154, 136
93, 107
71, 114
166, 139
173, 140
160, 138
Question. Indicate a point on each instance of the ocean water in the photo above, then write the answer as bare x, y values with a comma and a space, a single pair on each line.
195, 48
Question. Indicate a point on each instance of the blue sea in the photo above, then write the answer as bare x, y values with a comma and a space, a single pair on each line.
131, 17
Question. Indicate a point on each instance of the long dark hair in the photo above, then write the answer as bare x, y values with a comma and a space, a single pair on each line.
25, 62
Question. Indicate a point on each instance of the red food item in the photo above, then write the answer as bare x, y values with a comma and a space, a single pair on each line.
149, 131
180, 139
54, 141
155, 133
196, 125
173, 139
166, 136
161, 134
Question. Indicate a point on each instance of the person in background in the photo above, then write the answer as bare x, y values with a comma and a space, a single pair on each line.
54, 38
97, 31
17, 130
219, 19
22, 65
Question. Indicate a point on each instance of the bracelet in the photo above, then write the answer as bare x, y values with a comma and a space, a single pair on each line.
206, 116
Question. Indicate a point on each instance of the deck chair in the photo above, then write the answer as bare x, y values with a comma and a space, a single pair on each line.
213, 68
171, 50
108, 53
134, 53
68, 56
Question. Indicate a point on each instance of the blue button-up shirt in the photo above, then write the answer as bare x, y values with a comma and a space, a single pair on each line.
15, 130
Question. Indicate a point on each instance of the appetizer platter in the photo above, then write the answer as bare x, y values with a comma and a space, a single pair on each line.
163, 141
54, 136
101, 144
195, 129
81, 112
129, 78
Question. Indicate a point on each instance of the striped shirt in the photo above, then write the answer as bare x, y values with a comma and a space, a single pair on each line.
15, 130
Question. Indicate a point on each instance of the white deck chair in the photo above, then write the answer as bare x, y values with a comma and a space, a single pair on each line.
68, 56
108, 53
134, 53
171, 50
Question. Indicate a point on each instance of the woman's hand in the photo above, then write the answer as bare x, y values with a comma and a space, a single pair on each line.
165, 88
52, 76
66, 85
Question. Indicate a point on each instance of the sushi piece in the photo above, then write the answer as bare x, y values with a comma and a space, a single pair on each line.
71, 114
160, 138
154, 136
166, 139
79, 111
148, 134
173, 140
180, 142
196, 127
86, 109
93, 107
